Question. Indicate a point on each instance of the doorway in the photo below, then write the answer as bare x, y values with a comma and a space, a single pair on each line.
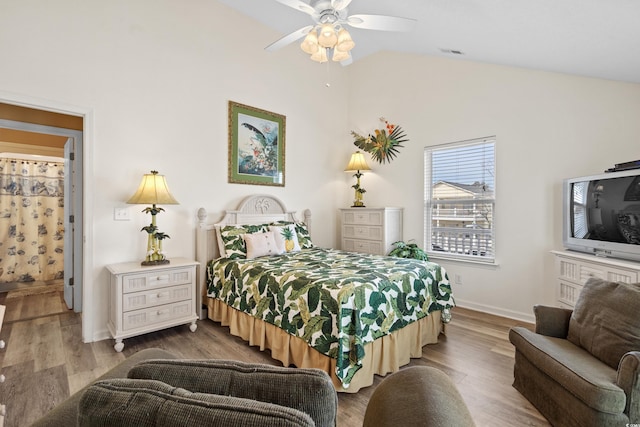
32, 130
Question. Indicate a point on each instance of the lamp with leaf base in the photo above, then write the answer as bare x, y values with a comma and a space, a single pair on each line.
357, 163
153, 190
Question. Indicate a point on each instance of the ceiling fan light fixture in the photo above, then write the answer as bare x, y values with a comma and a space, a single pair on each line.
328, 37
320, 55
310, 43
345, 42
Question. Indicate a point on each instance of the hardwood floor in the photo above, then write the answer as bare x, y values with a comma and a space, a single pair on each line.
45, 361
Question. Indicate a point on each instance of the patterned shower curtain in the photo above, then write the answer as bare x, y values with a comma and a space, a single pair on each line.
31, 220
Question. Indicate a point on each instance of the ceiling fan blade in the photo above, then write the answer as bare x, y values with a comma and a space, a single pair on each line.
289, 38
381, 22
340, 4
300, 5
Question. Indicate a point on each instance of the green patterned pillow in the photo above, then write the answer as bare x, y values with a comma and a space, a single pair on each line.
234, 246
304, 238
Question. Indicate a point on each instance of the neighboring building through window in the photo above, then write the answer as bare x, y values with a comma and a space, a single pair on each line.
459, 182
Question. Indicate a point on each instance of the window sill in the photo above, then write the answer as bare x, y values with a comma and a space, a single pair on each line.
489, 262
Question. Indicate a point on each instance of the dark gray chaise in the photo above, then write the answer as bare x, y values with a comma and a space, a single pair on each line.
581, 367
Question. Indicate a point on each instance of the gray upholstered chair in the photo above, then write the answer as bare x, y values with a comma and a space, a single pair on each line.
417, 396
152, 388
581, 367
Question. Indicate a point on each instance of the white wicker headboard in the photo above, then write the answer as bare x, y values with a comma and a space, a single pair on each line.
257, 209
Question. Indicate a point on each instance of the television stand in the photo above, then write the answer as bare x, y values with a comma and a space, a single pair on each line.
573, 269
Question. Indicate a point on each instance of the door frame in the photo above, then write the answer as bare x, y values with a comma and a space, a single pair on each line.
85, 239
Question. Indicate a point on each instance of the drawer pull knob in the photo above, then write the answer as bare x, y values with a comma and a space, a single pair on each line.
2, 344
2, 378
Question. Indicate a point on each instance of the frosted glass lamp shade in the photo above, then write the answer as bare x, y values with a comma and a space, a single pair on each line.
345, 42
328, 37
310, 43
153, 190
320, 55
339, 55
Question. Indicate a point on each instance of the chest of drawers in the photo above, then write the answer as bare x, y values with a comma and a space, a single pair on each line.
370, 230
150, 298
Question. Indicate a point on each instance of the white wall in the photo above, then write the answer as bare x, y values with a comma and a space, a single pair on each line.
548, 127
157, 76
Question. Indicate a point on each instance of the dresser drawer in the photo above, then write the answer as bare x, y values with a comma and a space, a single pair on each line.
363, 217
366, 246
362, 232
159, 279
155, 315
137, 300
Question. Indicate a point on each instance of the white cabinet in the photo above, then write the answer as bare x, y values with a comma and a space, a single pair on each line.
370, 230
144, 299
573, 269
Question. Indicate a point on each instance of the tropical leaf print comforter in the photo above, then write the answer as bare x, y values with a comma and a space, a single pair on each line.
334, 300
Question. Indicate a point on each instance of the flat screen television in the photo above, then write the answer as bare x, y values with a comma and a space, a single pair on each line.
601, 214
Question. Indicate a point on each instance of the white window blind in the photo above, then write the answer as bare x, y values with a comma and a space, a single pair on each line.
460, 200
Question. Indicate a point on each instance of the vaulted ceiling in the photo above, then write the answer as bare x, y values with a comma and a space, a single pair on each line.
593, 38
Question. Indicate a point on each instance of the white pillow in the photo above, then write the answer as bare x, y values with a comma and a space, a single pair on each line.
261, 244
286, 237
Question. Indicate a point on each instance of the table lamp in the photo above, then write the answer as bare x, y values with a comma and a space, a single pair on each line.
153, 190
358, 163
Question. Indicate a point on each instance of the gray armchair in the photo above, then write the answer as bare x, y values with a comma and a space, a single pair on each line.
581, 367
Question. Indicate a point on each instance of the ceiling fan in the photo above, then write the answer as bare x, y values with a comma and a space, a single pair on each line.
328, 34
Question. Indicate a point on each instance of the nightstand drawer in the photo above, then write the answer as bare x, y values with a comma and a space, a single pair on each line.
151, 316
138, 300
143, 282
369, 247
362, 232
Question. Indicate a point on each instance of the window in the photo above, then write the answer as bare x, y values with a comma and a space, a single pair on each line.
459, 182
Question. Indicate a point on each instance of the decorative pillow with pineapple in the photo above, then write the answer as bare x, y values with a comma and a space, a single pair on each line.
286, 237
304, 238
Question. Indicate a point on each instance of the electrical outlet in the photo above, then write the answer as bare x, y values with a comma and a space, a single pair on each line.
121, 214
458, 279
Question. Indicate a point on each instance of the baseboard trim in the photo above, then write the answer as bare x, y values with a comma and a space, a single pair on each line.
516, 315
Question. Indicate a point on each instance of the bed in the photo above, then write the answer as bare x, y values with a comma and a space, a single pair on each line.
352, 315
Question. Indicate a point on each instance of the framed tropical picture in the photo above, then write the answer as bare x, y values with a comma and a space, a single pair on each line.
256, 146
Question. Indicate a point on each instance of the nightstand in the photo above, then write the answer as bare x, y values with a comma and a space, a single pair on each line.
370, 230
144, 299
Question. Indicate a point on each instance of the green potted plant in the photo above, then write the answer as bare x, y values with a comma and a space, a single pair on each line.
408, 250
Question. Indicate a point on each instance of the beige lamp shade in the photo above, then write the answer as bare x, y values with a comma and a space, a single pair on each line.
357, 163
153, 190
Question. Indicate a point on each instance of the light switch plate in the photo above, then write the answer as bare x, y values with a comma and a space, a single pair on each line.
121, 214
